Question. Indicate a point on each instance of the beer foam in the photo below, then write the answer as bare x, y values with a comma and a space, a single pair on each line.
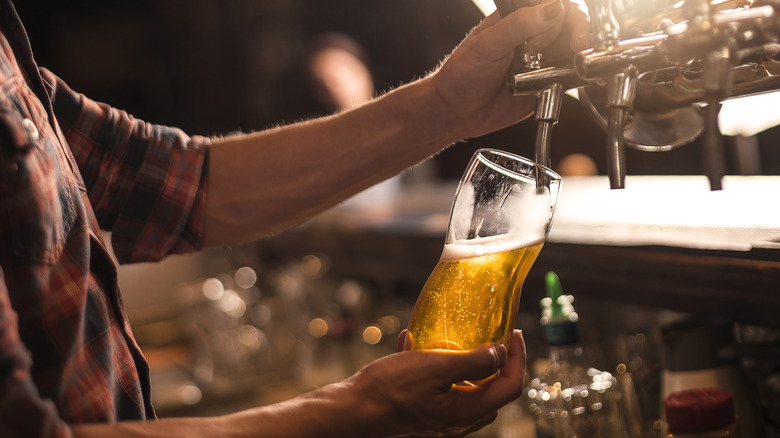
521, 213
462, 209
483, 246
529, 213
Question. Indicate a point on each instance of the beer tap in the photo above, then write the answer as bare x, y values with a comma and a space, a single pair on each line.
549, 98
621, 89
700, 32
548, 110
716, 79
605, 34
657, 74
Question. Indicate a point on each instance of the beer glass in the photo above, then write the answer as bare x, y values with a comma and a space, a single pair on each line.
500, 218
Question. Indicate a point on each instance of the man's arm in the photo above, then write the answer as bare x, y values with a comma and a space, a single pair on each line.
408, 392
263, 182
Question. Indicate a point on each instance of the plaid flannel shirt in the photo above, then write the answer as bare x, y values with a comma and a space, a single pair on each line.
67, 164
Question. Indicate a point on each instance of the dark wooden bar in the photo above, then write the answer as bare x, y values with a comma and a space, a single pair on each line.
743, 286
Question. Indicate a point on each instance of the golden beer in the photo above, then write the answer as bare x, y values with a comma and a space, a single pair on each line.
472, 295
499, 220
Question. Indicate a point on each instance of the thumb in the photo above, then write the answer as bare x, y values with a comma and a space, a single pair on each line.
478, 363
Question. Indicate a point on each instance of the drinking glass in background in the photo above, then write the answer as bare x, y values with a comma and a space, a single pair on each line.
500, 218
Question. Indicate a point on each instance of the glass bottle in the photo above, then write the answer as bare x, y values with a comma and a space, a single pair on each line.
570, 398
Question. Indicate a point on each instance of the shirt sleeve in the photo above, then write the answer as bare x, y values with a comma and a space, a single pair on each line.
23, 413
146, 183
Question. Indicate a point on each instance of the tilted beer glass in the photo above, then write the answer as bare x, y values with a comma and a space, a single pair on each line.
500, 218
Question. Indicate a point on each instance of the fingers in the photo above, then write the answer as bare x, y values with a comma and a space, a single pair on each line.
486, 360
514, 367
478, 363
538, 25
552, 12
579, 26
574, 18
418, 386
508, 384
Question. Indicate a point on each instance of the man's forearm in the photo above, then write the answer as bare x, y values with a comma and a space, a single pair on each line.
332, 411
263, 182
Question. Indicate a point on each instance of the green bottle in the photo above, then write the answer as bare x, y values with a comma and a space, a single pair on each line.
569, 398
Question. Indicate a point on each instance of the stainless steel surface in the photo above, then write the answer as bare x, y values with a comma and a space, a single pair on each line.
604, 28
549, 97
547, 113
621, 92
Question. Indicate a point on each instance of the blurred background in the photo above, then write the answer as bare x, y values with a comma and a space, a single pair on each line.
255, 324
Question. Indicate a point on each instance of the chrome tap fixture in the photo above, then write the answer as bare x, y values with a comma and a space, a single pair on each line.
658, 73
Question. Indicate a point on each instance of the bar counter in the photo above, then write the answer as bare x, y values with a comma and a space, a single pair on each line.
663, 242
635, 259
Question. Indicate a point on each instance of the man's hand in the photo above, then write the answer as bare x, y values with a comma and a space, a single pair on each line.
419, 393
471, 83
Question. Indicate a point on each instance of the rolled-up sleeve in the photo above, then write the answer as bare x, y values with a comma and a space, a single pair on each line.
146, 183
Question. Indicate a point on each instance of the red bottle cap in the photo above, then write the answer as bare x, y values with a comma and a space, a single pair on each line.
698, 410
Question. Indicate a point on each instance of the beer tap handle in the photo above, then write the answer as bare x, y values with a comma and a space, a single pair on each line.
524, 60
549, 98
605, 30
620, 101
548, 104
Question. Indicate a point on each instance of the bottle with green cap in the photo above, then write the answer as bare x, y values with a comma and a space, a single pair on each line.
569, 398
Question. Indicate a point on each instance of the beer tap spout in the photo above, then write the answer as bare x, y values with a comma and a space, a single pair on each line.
716, 80
620, 101
547, 113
